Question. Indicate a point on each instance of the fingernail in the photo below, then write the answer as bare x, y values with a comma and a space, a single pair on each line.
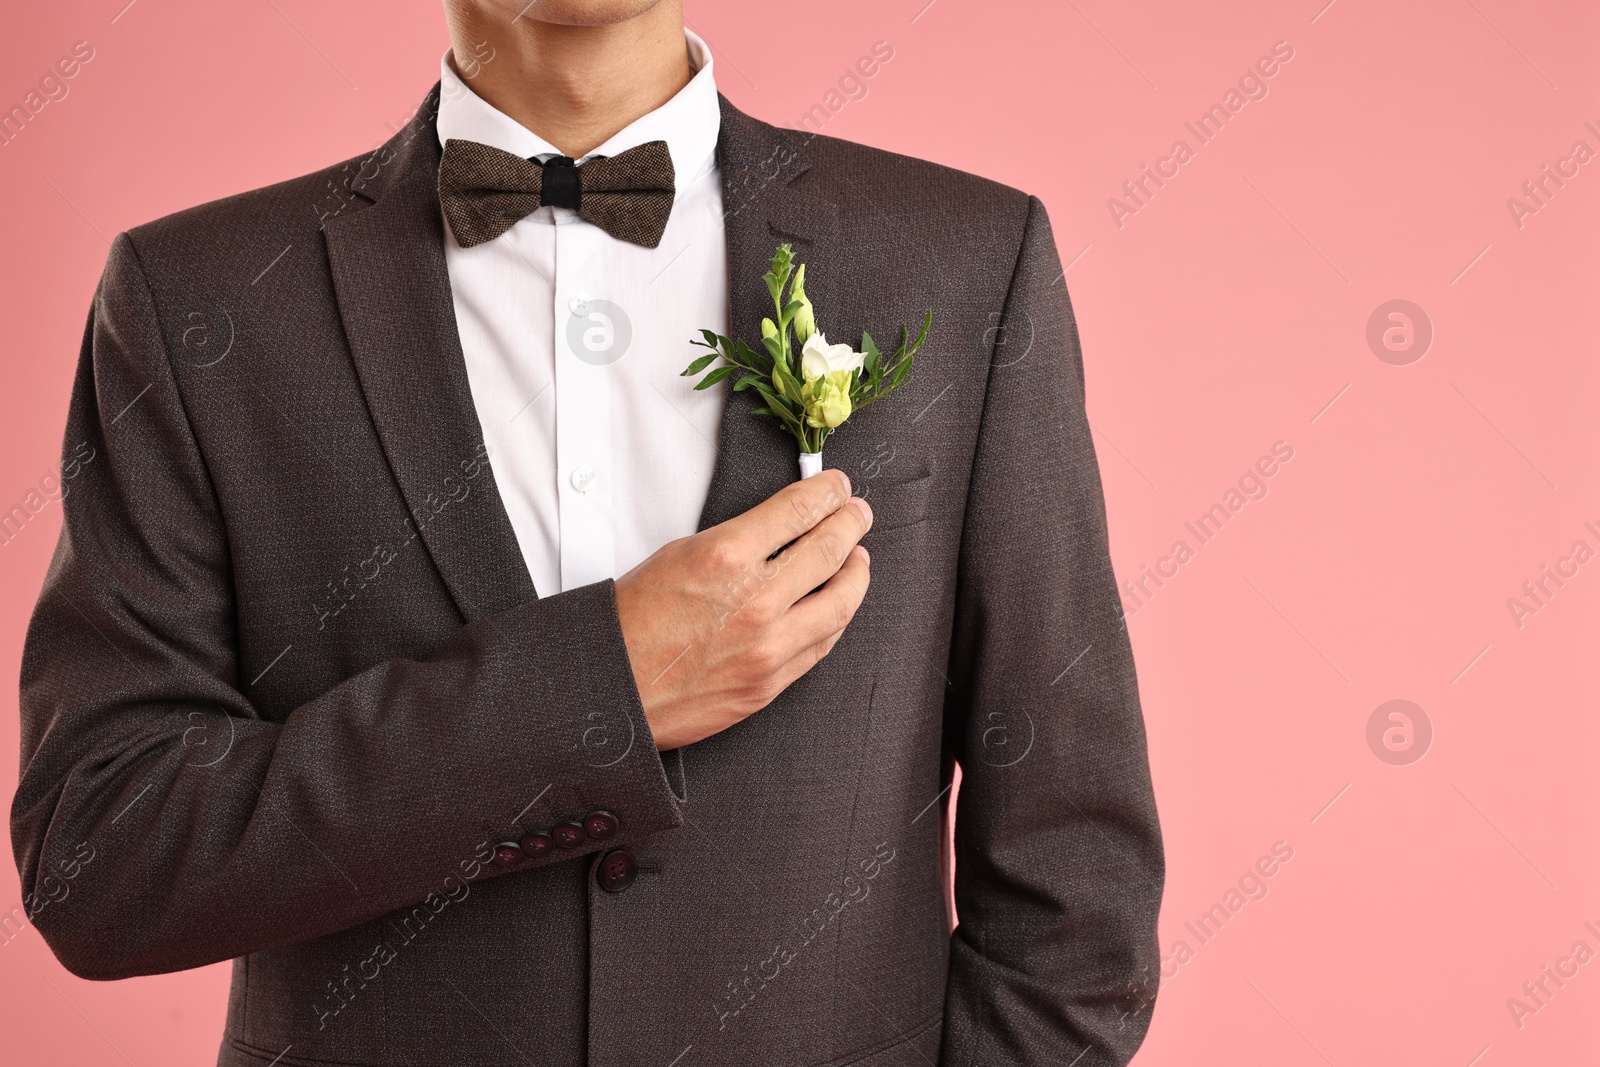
866, 508
846, 478
865, 554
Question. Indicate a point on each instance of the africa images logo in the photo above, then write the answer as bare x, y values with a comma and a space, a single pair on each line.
52, 88
1252, 85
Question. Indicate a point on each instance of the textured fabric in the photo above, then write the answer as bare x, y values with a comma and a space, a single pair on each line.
485, 191
288, 676
574, 344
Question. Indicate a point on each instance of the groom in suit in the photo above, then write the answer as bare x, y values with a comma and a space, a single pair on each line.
420, 640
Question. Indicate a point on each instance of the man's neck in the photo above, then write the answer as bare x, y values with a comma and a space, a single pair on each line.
574, 86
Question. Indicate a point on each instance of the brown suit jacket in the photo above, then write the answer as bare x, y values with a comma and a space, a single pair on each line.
288, 680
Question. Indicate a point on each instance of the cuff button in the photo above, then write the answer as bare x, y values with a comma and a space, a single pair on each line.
507, 854
569, 834
538, 844
601, 825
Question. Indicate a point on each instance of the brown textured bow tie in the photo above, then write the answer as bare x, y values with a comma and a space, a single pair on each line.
485, 191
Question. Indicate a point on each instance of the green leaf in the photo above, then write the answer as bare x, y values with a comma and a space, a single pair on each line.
774, 348
778, 407
714, 377
711, 338
871, 349
775, 400
746, 355
927, 323
744, 383
700, 364
879, 366
789, 383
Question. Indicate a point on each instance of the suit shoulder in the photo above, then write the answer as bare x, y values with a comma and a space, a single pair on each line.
911, 176
934, 200
232, 228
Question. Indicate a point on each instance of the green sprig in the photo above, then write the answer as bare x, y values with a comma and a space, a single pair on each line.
774, 370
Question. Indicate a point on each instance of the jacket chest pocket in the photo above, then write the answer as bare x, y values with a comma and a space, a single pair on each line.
897, 506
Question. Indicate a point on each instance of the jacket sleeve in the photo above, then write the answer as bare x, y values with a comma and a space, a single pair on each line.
161, 823
1059, 866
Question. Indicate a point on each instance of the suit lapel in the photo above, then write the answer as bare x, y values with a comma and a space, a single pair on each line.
394, 297
393, 291
767, 200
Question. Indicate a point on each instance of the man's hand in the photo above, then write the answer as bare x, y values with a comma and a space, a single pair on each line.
716, 629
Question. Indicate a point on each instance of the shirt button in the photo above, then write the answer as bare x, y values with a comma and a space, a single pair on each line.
583, 479
577, 303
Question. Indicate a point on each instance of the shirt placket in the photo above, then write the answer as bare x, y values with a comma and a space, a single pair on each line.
585, 472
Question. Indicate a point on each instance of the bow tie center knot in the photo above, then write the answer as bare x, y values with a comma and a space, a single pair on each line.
561, 187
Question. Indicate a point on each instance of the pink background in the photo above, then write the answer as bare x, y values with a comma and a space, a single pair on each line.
1229, 313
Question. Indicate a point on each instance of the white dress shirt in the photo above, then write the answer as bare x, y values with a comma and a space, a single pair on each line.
575, 342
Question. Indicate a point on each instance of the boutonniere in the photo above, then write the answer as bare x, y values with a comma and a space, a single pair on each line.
809, 385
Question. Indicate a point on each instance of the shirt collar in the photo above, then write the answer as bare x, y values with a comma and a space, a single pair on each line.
689, 122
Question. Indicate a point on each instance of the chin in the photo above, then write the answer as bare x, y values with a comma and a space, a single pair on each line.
588, 12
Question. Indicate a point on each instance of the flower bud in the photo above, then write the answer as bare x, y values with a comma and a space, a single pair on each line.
769, 328
805, 320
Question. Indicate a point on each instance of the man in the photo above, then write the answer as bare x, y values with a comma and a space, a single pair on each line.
419, 639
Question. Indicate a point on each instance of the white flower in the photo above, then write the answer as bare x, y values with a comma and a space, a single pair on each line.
818, 358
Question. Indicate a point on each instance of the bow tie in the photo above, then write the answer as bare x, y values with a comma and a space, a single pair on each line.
484, 191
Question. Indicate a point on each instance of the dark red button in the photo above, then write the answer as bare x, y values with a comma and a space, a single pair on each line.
601, 825
569, 834
507, 854
538, 844
617, 870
